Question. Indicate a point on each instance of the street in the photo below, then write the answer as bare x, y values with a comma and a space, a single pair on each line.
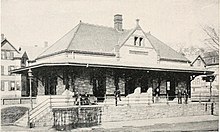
190, 126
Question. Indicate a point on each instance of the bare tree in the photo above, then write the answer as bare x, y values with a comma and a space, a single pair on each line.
213, 37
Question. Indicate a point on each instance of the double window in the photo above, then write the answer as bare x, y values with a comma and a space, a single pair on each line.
7, 55
8, 72
138, 41
10, 85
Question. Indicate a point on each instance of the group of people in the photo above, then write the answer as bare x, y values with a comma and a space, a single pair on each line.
82, 99
181, 94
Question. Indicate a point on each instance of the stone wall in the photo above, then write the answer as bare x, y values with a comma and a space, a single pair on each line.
110, 86
46, 120
82, 85
139, 112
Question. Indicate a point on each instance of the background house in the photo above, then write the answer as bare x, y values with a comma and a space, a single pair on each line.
16, 85
209, 60
10, 60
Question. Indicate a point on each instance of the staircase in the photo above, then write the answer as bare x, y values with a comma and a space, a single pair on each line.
43, 111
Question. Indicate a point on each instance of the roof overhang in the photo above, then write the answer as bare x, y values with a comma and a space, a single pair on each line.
115, 66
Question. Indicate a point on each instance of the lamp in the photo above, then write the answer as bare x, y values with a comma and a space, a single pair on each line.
30, 75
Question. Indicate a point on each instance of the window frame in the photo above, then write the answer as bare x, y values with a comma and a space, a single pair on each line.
9, 69
3, 54
135, 40
2, 85
2, 70
12, 82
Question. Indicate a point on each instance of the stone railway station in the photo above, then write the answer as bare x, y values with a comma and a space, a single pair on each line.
98, 60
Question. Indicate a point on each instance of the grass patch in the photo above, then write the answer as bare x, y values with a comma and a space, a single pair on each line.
11, 114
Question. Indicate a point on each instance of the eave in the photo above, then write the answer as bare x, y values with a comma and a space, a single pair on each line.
114, 66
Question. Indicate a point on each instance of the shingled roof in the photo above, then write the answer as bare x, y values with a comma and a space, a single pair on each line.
100, 39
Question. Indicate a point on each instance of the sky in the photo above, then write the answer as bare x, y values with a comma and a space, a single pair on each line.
175, 22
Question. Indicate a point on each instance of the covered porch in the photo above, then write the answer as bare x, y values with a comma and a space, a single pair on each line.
101, 81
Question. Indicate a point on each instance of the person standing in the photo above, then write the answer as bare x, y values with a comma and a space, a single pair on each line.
77, 98
186, 96
117, 95
179, 95
157, 94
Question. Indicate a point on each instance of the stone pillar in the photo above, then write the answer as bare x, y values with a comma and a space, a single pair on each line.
122, 85
110, 86
82, 84
40, 88
60, 88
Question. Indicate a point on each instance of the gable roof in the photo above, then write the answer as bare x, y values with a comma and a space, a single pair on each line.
197, 59
4, 41
30, 51
100, 39
165, 52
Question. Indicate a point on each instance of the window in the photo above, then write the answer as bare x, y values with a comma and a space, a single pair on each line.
198, 62
12, 86
135, 40
8, 55
2, 86
9, 70
11, 55
213, 59
5, 85
140, 41
17, 86
6, 70
2, 54
2, 70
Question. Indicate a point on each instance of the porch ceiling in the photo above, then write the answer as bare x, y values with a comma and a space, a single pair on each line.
190, 70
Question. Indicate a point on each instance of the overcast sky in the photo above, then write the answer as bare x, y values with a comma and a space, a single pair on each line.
175, 22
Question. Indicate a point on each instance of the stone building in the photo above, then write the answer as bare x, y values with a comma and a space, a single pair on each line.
99, 59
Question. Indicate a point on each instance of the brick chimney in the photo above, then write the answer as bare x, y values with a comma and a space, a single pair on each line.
118, 22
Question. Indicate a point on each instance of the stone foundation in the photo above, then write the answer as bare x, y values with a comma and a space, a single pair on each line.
140, 112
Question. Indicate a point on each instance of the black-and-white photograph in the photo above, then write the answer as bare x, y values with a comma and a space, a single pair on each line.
109, 65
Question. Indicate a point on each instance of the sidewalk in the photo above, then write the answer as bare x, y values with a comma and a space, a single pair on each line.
149, 122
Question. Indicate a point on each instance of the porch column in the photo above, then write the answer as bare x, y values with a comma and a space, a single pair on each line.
40, 88
60, 88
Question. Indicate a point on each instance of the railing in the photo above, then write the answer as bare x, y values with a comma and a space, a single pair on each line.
19, 100
160, 99
66, 118
54, 101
